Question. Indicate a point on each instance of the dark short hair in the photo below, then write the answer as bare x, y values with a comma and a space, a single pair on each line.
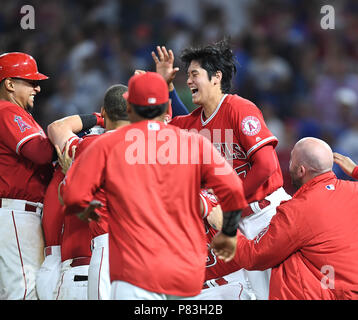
150, 112
114, 103
214, 57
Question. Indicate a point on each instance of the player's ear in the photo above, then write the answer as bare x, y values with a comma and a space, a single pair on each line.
129, 108
217, 77
9, 84
103, 112
301, 171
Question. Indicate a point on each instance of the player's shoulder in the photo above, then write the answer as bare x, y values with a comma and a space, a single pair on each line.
6, 107
187, 117
238, 103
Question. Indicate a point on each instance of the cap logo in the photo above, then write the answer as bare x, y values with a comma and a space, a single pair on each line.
152, 100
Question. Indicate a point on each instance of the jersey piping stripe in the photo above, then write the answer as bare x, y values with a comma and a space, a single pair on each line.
20, 255
215, 112
264, 141
25, 139
205, 213
99, 276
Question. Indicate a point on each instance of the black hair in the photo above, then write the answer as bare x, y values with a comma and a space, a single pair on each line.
114, 103
214, 57
150, 112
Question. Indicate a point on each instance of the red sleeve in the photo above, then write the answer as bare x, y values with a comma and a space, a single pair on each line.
264, 164
39, 150
261, 253
79, 187
220, 176
355, 173
209, 201
250, 127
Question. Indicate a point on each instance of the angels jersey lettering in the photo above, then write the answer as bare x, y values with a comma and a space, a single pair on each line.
20, 177
237, 129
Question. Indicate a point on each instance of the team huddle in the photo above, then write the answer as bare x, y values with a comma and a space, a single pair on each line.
144, 200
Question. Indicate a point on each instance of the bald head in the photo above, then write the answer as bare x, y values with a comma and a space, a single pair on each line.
310, 157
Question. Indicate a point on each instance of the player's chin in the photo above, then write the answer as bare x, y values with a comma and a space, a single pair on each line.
30, 106
195, 100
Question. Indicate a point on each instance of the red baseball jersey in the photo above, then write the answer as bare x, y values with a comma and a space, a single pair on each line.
20, 178
99, 227
237, 129
215, 267
77, 234
156, 235
53, 212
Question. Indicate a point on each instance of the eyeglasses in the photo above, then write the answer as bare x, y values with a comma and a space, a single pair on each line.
32, 83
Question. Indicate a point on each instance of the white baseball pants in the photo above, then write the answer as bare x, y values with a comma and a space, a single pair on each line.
234, 286
121, 290
250, 227
21, 249
49, 274
99, 283
73, 281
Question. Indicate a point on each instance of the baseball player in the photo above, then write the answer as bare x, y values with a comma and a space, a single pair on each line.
237, 129
53, 214
26, 156
156, 236
223, 280
114, 114
347, 165
311, 243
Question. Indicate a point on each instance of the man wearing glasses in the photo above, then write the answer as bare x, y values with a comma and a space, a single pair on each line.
26, 156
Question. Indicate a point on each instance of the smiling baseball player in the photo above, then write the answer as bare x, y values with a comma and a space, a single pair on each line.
237, 129
26, 157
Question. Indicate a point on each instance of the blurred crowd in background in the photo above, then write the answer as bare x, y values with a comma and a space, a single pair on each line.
303, 78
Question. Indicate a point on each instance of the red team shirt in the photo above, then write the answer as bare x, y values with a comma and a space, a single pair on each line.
237, 129
99, 227
156, 239
77, 235
246, 132
20, 178
53, 212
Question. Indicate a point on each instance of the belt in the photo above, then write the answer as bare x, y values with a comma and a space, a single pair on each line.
52, 250
81, 261
22, 205
258, 205
48, 251
99, 241
214, 283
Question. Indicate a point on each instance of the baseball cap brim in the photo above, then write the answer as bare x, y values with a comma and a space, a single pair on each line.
34, 76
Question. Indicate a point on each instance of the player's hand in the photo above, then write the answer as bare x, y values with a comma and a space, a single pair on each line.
100, 119
224, 246
164, 64
90, 213
139, 71
215, 217
64, 159
346, 163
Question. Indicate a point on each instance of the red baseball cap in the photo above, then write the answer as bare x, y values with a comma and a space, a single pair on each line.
19, 65
147, 89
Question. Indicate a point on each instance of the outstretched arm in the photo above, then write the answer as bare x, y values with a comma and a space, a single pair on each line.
347, 165
164, 65
63, 129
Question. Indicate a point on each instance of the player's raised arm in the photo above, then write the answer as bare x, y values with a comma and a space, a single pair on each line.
164, 64
347, 165
60, 131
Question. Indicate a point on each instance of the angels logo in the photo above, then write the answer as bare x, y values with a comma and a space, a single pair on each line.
250, 126
21, 123
211, 257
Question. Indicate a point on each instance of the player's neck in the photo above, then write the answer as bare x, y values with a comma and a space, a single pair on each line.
210, 107
113, 125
